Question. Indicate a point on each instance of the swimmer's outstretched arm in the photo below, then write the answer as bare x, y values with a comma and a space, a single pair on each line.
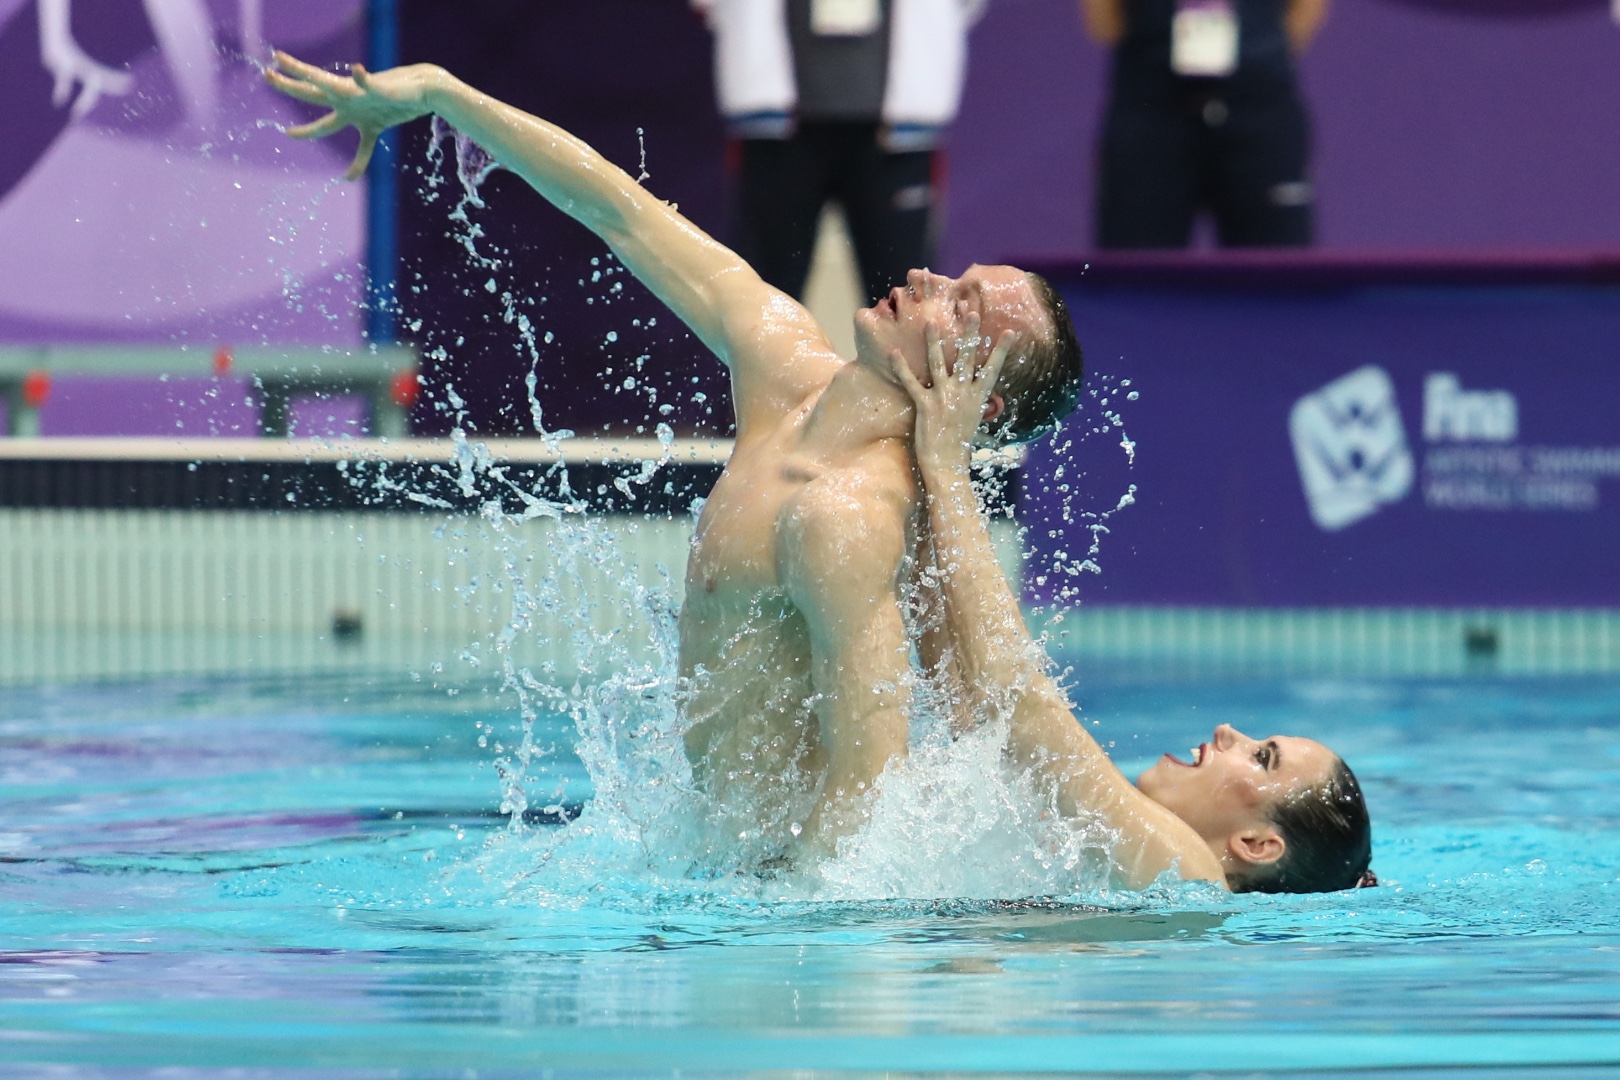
1005, 667
713, 291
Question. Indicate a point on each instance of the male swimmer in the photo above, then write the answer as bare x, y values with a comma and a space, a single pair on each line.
794, 650
1280, 815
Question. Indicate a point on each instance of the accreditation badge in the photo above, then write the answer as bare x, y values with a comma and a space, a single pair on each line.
1204, 39
845, 18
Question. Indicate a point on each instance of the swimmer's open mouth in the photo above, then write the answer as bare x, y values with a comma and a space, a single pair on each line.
1198, 754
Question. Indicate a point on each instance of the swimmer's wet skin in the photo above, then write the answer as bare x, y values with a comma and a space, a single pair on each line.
1241, 813
794, 654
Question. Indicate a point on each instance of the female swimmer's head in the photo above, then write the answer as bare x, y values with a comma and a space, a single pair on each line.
1283, 814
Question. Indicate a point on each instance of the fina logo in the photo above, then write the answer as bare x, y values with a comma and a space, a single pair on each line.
1451, 413
1350, 444
1350, 447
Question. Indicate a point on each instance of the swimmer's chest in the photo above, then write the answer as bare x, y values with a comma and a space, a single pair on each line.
737, 552
734, 554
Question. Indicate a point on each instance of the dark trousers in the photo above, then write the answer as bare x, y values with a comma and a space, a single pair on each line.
888, 199
1244, 161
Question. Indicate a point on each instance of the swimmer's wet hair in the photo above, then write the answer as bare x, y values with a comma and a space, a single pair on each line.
1041, 387
1328, 840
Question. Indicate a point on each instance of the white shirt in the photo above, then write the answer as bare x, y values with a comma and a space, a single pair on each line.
753, 59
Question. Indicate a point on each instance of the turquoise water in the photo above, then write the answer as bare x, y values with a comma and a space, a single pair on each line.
313, 878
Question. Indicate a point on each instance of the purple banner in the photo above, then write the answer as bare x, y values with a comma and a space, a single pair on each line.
146, 191
1305, 437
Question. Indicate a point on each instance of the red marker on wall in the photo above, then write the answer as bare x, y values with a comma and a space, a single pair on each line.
405, 388
36, 387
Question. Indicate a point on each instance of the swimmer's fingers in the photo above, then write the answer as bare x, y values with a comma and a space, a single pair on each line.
330, 124
908, 381
938, 370
967, 354
297, 88
991, 372
337, 86
362, 156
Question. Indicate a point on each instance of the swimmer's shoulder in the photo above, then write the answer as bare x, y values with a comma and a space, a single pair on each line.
783, 359
1154, 840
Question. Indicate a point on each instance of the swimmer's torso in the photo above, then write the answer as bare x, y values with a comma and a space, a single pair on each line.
745, 648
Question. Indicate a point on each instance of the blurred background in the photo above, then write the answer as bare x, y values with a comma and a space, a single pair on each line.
1347, 277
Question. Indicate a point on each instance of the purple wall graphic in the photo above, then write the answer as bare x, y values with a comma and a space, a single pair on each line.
1439, 124
1361, 434
146, 194
191, 407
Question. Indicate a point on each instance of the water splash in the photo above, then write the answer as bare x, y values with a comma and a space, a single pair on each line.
1059, 574
473, 163
953, 821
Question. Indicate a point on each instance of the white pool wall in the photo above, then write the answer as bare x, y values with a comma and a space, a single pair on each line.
106, 594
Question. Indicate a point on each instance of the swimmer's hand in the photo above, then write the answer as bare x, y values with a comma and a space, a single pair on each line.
956, 401
370, 102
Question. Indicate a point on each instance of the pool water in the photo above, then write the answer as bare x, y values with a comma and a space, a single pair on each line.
314, 878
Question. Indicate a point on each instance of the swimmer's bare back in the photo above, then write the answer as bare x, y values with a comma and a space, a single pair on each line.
793, 649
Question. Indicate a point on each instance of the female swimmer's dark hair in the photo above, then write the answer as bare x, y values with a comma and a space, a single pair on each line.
1041, 387
1327, 838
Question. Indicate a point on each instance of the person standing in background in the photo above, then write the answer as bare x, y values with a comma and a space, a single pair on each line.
839, 100
1204, 113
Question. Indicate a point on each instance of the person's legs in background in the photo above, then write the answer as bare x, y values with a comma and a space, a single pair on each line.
888, 200
1148, 175
780, 187
1260, 188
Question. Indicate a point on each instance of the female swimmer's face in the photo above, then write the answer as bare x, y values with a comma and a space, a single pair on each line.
1233, 779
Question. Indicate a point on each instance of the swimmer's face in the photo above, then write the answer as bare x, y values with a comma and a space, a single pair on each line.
1233, 780
1002, 297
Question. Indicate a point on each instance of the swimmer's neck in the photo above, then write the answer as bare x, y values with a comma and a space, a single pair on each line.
858, 409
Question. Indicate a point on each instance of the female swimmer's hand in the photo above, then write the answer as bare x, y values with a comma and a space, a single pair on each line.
953, 405
372, 103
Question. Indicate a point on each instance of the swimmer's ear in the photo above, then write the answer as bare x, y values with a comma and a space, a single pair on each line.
1256, 847
993, 408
